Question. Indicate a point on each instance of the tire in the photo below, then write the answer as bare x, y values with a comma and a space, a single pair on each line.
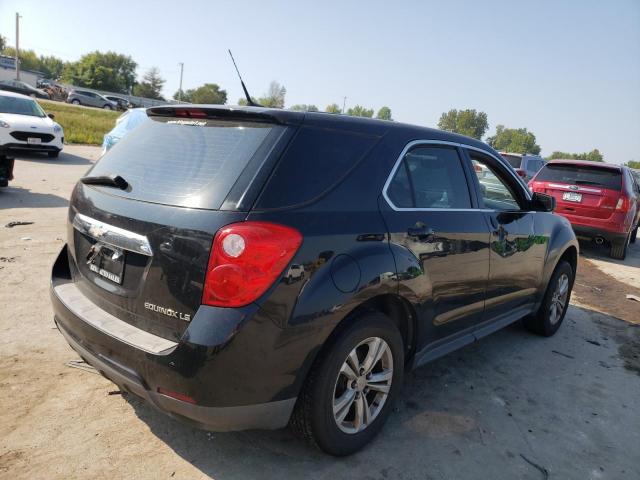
75, 102
634, 234
313, 418
619, 250
544, 322
107, 107
54, 154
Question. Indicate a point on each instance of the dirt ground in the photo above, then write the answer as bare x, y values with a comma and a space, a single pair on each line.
511, 406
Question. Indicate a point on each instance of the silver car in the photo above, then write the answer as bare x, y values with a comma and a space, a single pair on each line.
525, 165
90, 99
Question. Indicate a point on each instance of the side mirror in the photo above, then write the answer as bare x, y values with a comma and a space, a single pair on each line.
51, 116
542, 202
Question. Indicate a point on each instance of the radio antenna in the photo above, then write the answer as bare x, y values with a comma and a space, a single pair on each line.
250, 102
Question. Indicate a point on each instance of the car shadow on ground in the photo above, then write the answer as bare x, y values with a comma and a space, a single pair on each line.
64, 158
18, 197
601, 252
504, 407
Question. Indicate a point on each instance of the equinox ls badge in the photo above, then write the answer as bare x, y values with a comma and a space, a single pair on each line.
169, 312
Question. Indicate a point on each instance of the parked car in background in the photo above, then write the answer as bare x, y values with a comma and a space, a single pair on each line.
17, 86
124, 124
122, 103
295, 273
90, 99
525, 165
636, 175
601, 200
25, 126
174, 282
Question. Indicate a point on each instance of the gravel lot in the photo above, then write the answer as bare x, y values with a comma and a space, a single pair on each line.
511, 406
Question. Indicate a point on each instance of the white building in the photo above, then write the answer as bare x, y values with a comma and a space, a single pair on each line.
8, 71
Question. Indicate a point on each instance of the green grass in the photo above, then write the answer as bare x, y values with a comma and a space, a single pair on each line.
81, 124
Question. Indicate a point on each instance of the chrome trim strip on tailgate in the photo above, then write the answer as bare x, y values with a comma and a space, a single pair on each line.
84, 309
116, 236
575, 188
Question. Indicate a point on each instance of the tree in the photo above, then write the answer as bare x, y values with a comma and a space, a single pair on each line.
360, 111
3, 43
384, 113
633, 164
151, 85
515, 140
207, 93
333, 108
274, 97
465, 122
103, 71
51, 66
303, 107
593, 156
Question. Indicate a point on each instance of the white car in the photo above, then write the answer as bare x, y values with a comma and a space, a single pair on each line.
295, 273
24, 126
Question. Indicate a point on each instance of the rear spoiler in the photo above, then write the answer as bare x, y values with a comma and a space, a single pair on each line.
223, 112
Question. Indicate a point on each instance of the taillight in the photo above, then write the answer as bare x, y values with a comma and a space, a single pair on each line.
246, 258
624, 204
521, 172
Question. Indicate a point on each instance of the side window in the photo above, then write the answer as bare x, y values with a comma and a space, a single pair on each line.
430, 177
496, 192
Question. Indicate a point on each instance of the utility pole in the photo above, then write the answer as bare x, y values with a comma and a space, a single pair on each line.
180, 89
17, 46
344, 101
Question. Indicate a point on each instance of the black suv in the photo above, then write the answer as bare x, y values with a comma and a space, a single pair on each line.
246, 268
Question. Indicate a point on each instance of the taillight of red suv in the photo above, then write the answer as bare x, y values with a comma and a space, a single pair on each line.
246, 258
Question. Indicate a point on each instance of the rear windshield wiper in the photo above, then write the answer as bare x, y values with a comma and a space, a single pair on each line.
106, 180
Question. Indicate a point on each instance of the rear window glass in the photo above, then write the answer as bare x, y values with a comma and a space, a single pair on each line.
315, 161
581, 175
513, 160
183, 162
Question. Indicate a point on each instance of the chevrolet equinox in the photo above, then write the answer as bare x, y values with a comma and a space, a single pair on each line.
176, 284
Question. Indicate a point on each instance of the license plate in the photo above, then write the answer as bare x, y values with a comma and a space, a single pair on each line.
34, 141
572, 196
106, 261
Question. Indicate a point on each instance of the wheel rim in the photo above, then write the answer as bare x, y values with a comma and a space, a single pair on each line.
559, 299
363, 385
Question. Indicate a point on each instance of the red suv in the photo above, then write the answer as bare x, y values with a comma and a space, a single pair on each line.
600, 200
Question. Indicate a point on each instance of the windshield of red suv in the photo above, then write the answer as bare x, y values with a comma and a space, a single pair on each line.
581, 175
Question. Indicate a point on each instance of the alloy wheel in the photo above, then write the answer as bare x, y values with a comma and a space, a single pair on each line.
363, 385
559, 299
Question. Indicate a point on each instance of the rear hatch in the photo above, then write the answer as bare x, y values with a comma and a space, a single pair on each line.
140, 250
590, 191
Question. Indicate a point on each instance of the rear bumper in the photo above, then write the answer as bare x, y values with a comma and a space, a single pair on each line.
589, 232
594, 227
271, 415
218, 362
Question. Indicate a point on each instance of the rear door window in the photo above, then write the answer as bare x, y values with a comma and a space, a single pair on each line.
430, 177
315, 161
184, 162
581, 175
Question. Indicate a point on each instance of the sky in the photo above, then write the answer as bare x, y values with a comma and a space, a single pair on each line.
569, 71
